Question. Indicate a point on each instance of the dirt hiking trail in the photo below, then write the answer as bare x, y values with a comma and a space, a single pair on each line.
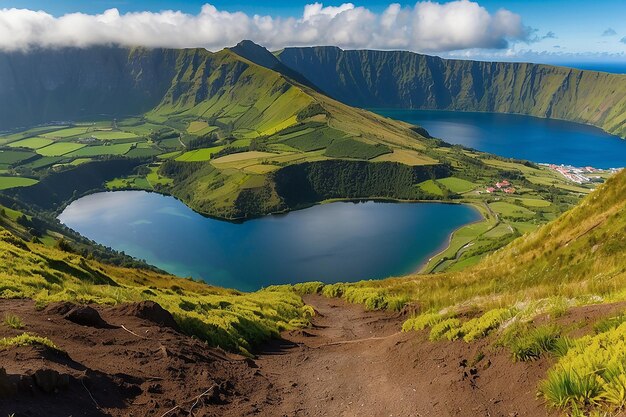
353, 362
131, 360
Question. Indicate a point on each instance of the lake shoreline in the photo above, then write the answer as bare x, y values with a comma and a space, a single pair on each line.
333, 243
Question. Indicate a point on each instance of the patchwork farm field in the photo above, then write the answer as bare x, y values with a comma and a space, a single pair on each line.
66, 133
13, 182
9, 157
100, 150
31, 143
199, 155
233, 157
59, 148
112, 135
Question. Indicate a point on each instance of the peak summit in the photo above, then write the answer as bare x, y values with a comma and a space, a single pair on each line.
256, 53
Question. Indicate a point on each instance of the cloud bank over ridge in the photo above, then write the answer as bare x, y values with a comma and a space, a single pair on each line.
425, 27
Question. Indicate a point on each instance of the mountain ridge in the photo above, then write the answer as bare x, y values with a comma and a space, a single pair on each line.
402, 79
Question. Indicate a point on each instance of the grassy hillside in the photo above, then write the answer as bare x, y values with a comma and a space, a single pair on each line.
227, 132
517, 294
407, 80
221, 317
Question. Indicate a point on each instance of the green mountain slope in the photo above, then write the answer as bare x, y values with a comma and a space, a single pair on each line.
557, 294
67, 84
236, 134
407, 80
580, 254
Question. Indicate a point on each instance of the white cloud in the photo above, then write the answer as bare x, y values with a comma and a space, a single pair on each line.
428, 27
526, 55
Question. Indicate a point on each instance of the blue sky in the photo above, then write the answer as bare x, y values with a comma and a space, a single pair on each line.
558, 29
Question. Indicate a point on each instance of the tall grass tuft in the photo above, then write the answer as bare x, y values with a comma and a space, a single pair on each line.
13, 321
591, 374
530, 345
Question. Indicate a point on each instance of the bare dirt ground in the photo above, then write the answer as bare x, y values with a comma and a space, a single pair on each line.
131, 361
356, 363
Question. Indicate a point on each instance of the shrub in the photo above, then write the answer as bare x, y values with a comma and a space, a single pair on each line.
532, 344
569, 389
422, 321
308, 288
591, 374
448, 328
481, 326
13, 321
396, 302
26, 339
333, 290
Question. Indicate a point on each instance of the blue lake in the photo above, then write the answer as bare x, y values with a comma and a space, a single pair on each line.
342, 241
522, 137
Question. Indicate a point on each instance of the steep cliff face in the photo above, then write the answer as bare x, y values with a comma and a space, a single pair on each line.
47, 85
70, 83
407, 80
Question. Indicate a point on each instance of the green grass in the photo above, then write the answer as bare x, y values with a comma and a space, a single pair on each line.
534, 202
445, 329
199, 155
66, 133
591, 374
511, 210
227, 318
13, 182
80, 161
609, 323
457, 185
530, 343
13, 157
112, 135
142, 152
422, 321
481, 326
28, 133
154, 178
100, 150
13, 321
59, 148
31, 143
431, 187
168, 155
311, 138
26, 339
43, 162
355, 149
